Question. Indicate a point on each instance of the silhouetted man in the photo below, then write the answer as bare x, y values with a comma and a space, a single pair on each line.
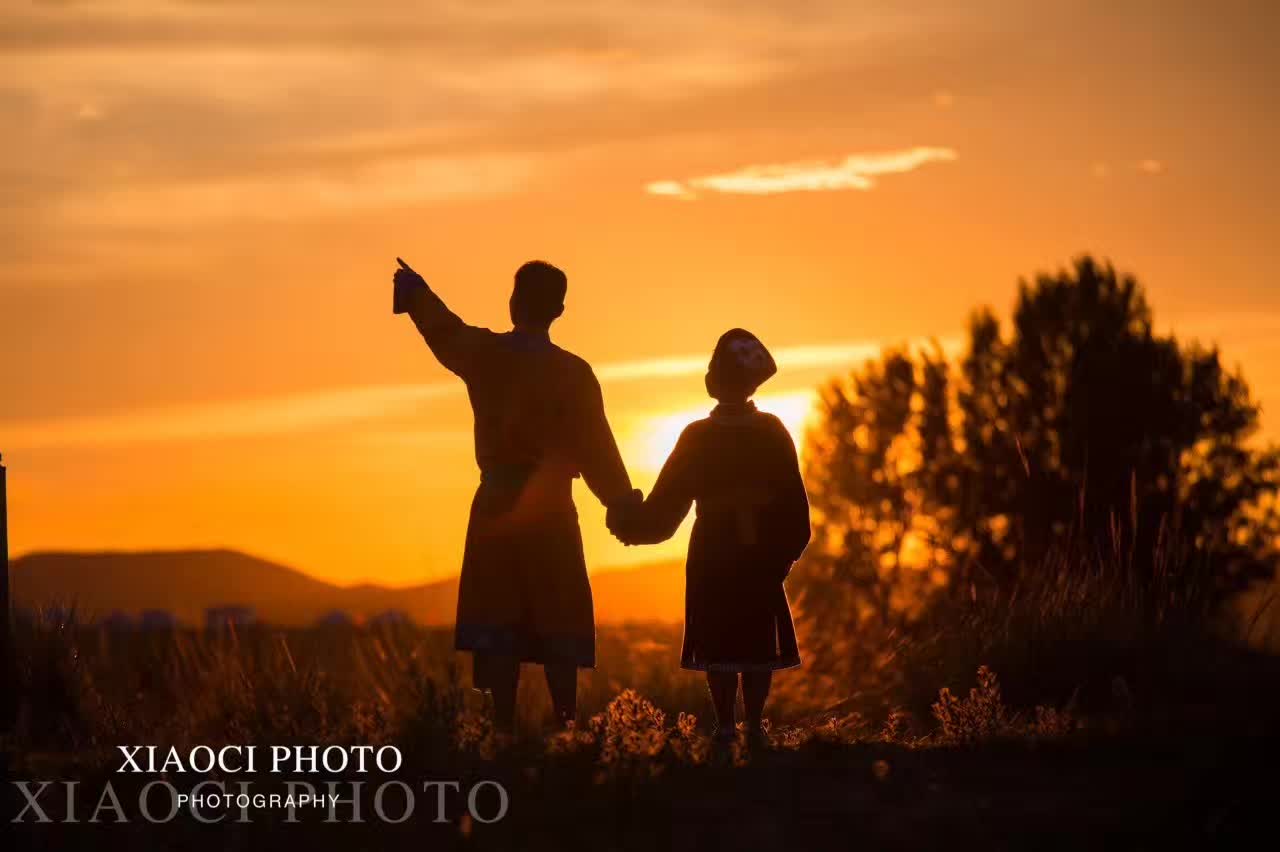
539, 422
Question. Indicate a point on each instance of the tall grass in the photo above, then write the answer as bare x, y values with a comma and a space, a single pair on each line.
1082, 632
976, 705
1078, 639
81, 685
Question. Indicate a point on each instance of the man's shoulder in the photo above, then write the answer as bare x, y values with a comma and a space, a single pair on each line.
575, 366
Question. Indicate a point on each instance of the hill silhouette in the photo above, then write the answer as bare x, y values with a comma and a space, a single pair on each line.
187, 582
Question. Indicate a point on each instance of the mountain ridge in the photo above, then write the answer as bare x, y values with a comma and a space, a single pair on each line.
186, 583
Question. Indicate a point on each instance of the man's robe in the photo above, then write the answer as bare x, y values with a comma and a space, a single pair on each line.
539, 422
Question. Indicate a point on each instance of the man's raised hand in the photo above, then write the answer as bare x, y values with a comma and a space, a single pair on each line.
406, 274
406, 281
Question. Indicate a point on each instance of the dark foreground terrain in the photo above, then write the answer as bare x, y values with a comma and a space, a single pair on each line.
1134, 764
1130, 792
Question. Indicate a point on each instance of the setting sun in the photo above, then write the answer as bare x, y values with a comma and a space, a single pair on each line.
656, 436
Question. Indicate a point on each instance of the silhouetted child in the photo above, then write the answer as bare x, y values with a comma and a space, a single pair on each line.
739, 466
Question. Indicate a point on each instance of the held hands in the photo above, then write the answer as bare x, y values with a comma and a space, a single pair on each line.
406, 282
621, 518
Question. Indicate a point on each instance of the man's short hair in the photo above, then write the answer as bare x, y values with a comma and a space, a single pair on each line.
539, 290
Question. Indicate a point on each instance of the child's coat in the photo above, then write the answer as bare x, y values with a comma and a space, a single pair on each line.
739, 466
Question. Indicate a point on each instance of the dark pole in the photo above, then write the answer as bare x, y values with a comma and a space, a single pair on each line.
9, 691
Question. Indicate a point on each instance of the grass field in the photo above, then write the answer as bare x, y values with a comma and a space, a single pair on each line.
1045, 724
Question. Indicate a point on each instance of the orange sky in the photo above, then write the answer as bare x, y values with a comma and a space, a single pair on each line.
203, 202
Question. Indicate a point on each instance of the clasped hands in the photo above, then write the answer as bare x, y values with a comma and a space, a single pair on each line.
622, 517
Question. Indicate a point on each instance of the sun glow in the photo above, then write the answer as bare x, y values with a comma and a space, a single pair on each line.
654, 437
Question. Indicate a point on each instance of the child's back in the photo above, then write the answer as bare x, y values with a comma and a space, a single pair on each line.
739, 467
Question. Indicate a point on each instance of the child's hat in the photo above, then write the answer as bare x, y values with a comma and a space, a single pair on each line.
740, 363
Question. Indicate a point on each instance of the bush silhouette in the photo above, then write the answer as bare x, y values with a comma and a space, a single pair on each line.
1078, 438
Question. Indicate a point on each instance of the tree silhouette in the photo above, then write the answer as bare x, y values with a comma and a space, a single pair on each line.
1081, 437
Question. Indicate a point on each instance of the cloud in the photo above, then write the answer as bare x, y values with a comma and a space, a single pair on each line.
670, 188
289, 194
313, 411
131, 111
235, 419
856, 171
788, 358
1151, 167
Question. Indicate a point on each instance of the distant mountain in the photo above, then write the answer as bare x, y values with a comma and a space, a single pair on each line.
186, 583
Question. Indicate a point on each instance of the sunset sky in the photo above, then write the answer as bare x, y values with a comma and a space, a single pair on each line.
202, 203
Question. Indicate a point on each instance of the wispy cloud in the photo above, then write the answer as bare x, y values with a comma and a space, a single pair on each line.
1152, 167
856, 171
215, 420
130, 110
671, 189
314, 411
293, 193
788, 358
